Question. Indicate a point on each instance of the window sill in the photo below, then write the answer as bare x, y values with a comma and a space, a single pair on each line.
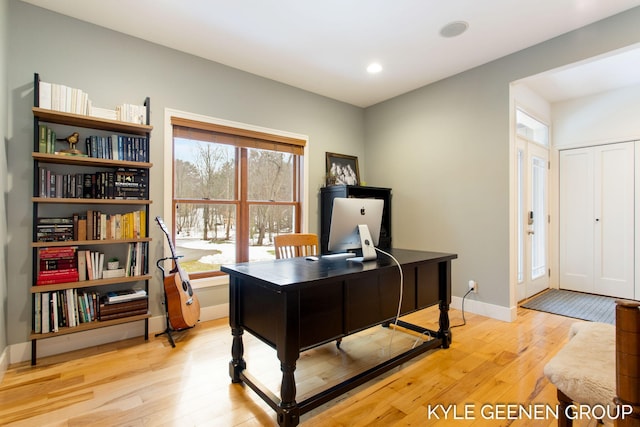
210, 282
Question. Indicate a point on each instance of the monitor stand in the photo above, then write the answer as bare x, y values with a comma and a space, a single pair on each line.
368, 250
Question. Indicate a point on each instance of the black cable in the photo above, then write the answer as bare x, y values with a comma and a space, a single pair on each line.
464, 321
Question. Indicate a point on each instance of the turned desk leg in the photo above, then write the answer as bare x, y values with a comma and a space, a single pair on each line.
237, 363
289, 414
445, 331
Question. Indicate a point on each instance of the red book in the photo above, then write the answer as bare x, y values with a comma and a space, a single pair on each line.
57, 276
64, 251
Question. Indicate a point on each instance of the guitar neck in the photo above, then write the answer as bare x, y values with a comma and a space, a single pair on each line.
174, 256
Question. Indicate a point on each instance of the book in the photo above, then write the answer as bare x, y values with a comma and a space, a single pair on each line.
106, 309
45, 304
57, 277
123, 314
125, 295
103, 113
42, 139
89, 265
82, 265
54, 312
37, 315
100, 265
71, 308
109, 274
57, 265
44, 95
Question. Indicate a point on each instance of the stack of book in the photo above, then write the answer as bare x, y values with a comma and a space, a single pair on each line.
53, 184
118, 147
125, 303
137, 262
94, 262
132, 113
131, 183
65, 308
97, 225
59, 97
58, 229
47, 139
57, 265
121, 184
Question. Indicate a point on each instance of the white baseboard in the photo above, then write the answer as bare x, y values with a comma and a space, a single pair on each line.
474, 306
21, 352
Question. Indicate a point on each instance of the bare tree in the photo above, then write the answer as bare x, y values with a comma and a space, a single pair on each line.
210, 163
186, 179
270, 173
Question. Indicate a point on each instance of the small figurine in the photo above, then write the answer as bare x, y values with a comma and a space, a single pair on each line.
72, 140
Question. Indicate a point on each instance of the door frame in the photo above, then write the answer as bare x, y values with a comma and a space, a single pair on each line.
518, 93
530, 149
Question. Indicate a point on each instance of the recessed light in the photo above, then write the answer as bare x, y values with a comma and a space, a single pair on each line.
374, 68
454, 29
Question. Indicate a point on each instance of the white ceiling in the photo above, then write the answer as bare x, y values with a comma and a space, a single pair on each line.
325, 46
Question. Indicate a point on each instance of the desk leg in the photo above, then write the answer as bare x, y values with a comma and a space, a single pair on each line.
288, 351
289, 413
445, 332
237, 363
444, 273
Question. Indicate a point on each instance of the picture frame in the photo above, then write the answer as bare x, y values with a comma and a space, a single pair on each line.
342, 169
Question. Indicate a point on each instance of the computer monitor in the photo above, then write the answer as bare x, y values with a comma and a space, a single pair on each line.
355, 224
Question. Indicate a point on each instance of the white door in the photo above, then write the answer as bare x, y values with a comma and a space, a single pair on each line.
533, 218
576, 220
597, 220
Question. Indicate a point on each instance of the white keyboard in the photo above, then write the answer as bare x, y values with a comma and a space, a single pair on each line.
338, 256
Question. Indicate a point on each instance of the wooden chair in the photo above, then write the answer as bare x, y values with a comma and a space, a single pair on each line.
628, 360
600, 365
296, 245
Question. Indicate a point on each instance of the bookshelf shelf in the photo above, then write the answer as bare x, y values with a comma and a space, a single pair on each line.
87, 161
87, 283
117, 205
78, 201
88, 242
89, 326
89, 122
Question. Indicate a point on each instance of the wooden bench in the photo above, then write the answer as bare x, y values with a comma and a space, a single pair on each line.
600, 366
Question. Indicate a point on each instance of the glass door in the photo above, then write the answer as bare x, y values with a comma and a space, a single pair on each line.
533, 211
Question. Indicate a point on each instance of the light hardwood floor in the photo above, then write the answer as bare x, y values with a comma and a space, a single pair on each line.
138, 383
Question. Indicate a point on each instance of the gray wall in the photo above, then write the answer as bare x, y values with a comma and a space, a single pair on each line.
114, 68
444, 149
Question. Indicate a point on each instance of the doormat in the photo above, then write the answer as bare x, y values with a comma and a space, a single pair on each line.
596, 308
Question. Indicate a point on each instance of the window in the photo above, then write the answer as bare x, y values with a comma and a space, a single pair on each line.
233, 190
531, 128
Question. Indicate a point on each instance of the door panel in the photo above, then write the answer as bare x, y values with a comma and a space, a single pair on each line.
533, 228
576, 220
597, 220
614, 202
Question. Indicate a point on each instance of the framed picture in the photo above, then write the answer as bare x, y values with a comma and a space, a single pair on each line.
342, 169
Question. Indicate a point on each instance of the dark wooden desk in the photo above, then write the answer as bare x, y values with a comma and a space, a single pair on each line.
294, 304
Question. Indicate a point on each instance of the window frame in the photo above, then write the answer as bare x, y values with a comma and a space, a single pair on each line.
172, 117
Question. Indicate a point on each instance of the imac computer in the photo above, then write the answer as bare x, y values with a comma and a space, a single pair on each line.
355, 224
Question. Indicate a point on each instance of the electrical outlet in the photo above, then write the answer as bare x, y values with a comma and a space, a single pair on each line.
473, 286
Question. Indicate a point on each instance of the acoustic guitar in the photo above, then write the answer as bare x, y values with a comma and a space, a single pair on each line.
183, 307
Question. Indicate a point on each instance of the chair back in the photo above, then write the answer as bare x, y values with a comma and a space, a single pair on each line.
296, 245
